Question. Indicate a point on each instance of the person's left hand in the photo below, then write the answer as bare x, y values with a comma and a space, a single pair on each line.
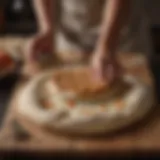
105, 67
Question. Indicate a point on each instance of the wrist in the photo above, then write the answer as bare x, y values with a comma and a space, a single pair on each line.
45, 29
108, 43
105, 50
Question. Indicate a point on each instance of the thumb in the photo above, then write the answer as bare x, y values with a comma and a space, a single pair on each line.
97, 73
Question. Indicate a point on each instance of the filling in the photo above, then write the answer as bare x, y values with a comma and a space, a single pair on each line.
85, 91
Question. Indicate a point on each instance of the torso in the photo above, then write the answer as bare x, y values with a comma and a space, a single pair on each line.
79, 27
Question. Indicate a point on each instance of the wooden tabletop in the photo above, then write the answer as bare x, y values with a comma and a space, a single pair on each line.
144, 136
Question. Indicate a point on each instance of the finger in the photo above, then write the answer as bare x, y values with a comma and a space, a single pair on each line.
119, 71
98, 73
94, 69
111, 74
106, 70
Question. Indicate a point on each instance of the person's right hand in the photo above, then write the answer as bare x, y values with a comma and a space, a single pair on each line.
35, 47
106, 67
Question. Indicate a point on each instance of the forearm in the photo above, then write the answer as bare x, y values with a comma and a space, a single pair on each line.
115, 16
44, 13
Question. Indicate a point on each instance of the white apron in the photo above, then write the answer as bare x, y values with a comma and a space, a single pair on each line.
79, 26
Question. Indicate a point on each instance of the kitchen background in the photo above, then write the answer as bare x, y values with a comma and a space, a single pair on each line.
21, 10
153, 9
18, 18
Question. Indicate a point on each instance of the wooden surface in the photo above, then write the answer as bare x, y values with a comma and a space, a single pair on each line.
144, 136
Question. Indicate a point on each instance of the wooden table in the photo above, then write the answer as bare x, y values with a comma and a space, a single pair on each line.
141, 137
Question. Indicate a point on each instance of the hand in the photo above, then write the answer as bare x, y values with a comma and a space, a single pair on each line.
105, 67
40, 44
36, 47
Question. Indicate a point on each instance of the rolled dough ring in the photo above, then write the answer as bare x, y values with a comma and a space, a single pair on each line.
137, 103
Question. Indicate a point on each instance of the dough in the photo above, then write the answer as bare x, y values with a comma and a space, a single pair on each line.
65, 101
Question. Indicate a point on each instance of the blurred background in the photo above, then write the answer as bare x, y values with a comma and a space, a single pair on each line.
17, 18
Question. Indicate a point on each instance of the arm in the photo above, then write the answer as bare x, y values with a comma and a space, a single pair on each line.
115, 16
104, 62
44, 14
42, 42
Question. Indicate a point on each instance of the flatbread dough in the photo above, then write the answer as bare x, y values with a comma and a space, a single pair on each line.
48, 101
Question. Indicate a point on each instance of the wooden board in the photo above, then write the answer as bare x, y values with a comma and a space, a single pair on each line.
143, 136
